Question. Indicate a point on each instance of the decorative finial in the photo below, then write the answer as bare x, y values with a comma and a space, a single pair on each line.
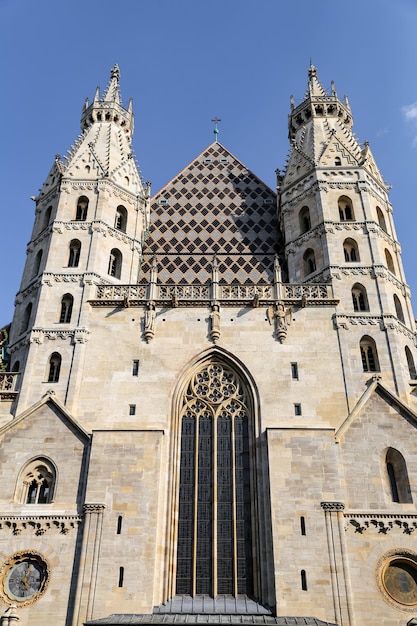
115, 72
216, 131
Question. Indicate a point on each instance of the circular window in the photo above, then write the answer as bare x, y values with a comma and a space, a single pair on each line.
24, 577
400, 580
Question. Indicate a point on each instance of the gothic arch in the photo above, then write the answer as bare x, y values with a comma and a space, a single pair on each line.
215, 416
36, 482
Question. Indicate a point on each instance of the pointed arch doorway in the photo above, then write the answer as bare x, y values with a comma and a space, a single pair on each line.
216, 527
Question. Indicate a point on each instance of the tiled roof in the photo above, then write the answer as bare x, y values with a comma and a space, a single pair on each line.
215, 206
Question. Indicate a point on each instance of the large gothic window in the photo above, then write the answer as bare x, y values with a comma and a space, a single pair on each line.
214, 547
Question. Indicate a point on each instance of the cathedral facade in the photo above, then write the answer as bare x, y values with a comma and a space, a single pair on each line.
208, 403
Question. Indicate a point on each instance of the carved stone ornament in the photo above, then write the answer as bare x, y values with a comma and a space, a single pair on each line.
39, 525
332, 506
94, 508
215, 331
24, 577
381, 524
149, 325
280, 316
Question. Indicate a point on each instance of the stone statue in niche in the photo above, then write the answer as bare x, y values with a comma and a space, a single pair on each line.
215, 323
150, 315
280, 317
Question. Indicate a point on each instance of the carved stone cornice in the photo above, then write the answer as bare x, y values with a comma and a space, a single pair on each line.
381, 523
39, 524
49, 278
94, 508
332, 506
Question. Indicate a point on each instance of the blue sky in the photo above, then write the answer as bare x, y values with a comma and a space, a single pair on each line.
184, 62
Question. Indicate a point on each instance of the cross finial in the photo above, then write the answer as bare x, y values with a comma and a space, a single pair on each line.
216, 120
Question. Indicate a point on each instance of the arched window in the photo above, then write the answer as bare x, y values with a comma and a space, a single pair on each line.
410, 363
359, 298
121, 218
369, 355
338, 161
351, 251
399, 309
54, 367
66, 308
38, 482
381, 219
304, 219
309, 260
345, 209
82, 209
47, 217
37, 264
390, 262
26, 318
115, 263
214, 543
397, 474
74, 253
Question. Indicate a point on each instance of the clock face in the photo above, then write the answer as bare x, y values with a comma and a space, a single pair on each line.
25, 579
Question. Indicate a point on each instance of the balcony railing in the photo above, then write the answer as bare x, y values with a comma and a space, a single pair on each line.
213, 292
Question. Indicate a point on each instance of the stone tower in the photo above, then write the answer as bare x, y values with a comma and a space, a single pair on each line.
208, 403
91, 217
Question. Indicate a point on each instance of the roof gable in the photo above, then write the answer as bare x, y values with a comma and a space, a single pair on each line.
375, 388
214, 207
58, 409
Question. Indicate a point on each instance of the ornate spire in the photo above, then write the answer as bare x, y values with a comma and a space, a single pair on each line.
109, 108
112, 93
318, 103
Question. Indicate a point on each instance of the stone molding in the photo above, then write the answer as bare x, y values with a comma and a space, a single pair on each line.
381, 523
39, 524
332, 506
93, 507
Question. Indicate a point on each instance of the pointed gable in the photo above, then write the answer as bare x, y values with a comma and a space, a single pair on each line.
215, 206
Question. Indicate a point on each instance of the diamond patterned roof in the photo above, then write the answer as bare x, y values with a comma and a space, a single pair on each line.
215, 206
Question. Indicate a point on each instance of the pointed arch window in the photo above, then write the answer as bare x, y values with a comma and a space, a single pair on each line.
410, 363
54, 367
37, 264
74, 253
26, 317
381, 219
121, 218
369, 355
309, 260
359, 298
38, 482
304, 219
115, 263
396, 469
398, 308
351, 251
345, 207
82, 209
66, 308
214, 543
47, 217
389, 261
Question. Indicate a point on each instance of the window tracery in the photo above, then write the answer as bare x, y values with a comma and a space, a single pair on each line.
214, 547
38, 482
